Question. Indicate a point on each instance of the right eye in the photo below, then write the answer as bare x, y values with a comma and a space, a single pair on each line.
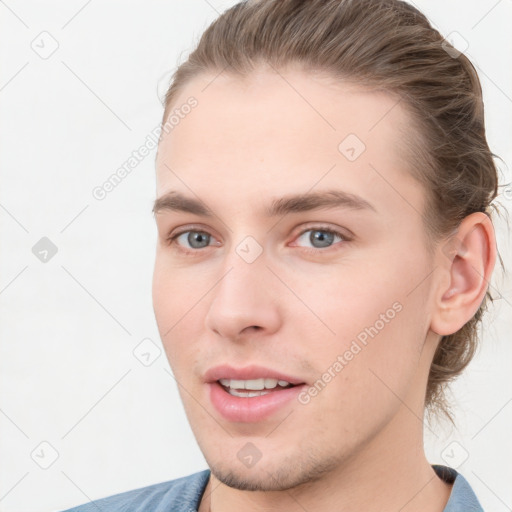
190, 240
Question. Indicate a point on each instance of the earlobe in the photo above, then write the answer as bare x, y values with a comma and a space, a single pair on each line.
467, 260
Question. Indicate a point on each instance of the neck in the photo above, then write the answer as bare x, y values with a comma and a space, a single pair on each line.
389, 473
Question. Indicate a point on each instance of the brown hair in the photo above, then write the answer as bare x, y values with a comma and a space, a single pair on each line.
390, 46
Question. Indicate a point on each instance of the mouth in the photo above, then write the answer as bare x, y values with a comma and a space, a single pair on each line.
250, 394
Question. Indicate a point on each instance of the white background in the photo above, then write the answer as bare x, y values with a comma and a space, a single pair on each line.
69, 326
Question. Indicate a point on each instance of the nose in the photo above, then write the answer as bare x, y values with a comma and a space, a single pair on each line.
244, 301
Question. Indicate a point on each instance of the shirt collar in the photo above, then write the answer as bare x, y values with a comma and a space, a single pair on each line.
462, 498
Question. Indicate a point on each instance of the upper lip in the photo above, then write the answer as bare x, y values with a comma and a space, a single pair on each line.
246, 373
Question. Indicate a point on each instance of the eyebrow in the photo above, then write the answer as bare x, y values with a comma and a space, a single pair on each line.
175, 201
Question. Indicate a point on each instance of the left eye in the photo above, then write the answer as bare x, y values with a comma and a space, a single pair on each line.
320, 238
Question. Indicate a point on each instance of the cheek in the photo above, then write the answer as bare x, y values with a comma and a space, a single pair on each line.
371, 333
377, 293
177, 303
346, 302
176, 290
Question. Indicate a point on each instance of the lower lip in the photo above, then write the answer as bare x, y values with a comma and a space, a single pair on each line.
250, 409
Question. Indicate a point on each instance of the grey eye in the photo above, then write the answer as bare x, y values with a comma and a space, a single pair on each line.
196, 239
319, 238
323, 238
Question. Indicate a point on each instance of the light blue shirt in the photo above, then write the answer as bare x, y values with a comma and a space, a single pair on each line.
184, 495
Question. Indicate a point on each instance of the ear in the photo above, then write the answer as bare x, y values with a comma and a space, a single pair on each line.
466, 261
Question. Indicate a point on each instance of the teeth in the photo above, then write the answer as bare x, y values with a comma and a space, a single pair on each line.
253, 384
234, 392
271, 383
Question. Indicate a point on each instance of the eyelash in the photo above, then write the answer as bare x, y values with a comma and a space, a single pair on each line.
172, 239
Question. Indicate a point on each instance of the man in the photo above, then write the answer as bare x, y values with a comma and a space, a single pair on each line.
319, 274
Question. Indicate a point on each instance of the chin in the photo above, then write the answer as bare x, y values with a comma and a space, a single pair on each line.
276, 475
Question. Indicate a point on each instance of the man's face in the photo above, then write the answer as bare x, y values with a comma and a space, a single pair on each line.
336, 297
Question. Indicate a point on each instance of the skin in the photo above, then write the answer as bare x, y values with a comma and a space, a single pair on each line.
358, 444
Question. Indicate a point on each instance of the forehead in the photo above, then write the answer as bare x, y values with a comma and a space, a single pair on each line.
282, 131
